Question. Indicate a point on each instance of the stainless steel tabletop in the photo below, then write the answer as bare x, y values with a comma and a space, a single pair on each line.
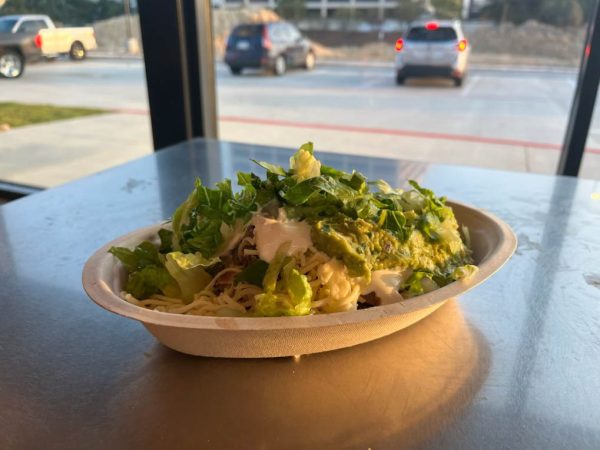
515, 363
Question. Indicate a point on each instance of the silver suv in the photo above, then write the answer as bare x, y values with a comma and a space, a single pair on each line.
435, 48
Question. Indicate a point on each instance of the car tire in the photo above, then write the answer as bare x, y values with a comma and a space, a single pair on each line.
458, 81
235, 70
12, 64
309, 61
400, 80
77, 51
280, 66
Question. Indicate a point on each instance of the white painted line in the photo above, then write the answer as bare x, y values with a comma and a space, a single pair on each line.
471, 82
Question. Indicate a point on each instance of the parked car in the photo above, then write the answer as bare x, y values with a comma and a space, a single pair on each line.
275, 46
53, 41
16, 49
432, 49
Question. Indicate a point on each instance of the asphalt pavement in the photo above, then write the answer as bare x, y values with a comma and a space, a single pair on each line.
505, 118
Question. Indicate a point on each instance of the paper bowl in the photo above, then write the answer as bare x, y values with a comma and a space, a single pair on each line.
492, 241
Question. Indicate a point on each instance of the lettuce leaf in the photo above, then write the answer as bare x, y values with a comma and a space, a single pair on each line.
418, 283
287, 291
148, 281
146, 272
197, 223
145, 254
254, 273
303, 163
188, 270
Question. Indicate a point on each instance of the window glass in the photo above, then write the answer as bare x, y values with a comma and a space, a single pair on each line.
31, 26
277, 32
294, 34
497, 94
78, 104
6, 25
423, 34
590, 166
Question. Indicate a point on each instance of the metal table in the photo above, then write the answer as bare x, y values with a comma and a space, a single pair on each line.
514, 363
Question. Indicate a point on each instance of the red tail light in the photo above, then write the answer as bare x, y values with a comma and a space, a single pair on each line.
37, 40
462, 45
266, 40
432, 26
399, 45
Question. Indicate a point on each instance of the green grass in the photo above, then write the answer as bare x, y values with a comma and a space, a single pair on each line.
18, 114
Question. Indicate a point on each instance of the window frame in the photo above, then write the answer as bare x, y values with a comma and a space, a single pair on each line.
182, 93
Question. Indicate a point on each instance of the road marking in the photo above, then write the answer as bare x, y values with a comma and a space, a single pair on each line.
397, 132
384, 131
471, 82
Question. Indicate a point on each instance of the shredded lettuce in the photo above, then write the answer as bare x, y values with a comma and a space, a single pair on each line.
146, 272
198, 222
188, 270
254, 273
418, 283
304, 165
287, 291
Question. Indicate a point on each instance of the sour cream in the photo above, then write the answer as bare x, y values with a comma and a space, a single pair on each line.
269, 234
385, 283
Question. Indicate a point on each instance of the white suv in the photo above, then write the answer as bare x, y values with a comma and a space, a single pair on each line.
432, 49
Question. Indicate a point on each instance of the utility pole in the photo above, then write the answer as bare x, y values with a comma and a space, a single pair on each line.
127, 8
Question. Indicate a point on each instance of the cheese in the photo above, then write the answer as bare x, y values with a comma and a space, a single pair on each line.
385, 283
269, 234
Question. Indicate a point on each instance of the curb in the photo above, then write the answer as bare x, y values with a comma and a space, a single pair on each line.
114, 56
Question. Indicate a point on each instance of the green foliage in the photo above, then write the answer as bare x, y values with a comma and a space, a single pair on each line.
67, 12
18, 115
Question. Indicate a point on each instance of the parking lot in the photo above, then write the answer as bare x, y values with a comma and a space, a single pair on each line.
501, 118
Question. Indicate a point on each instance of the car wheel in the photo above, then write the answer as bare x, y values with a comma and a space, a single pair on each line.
309, 61
280, 66
458, 81
77, 52
400, 80
235, 70
12, 64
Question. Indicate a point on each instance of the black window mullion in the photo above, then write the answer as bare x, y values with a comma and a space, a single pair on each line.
584, 101
177, 69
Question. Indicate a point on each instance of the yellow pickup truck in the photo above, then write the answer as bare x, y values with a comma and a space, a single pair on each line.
53, 41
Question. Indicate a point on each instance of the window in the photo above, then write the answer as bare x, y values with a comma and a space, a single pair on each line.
422, 34
293, 33
69, 114
31, 26
6, 25
495, 91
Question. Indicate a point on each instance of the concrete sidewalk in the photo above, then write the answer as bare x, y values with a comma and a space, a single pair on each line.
54, 153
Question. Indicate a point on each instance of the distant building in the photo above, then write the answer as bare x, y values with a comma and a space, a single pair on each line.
328, 8
322, 8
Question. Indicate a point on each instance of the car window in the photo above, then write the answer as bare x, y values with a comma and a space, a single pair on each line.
246, 31
6, 25
278, 32
31, 26
252, 33
439, 34
293, 32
